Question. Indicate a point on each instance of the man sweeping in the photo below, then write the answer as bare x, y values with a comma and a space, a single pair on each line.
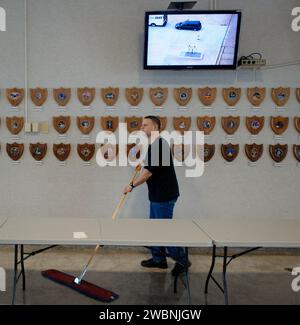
160, 176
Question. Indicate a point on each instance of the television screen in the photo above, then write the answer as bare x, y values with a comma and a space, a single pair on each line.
191, 39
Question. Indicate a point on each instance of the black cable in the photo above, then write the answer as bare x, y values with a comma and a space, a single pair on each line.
251, 56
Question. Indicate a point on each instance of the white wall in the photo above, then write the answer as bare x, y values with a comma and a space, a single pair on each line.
99, 43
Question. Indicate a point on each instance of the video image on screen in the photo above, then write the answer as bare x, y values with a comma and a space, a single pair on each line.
192, 39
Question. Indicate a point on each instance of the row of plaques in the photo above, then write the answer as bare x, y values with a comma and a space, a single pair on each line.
86, 151
230, 124
253, 151
254, 124
158, 95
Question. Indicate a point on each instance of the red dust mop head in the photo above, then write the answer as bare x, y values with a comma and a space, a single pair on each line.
84, 287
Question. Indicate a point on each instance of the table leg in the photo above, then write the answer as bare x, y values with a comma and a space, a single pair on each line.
22, 267
187, 274
175, 283
224, 275
186, 281
15, 274
17, 261
213, 260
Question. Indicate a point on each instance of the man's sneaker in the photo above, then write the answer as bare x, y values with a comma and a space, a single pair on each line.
152, 263
179, 268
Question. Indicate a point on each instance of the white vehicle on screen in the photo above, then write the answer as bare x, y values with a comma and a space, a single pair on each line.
158, 20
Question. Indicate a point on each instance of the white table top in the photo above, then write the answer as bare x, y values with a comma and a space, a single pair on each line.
146, 232
50, 231
127, 232
252, 233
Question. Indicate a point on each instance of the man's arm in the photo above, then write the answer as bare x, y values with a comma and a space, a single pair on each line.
144, 176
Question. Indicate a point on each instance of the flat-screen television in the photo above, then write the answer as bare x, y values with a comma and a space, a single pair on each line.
191, 39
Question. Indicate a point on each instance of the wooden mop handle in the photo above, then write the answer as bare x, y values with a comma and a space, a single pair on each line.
137, 169
79, 279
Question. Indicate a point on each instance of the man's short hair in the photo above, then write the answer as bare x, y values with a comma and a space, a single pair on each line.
155, 120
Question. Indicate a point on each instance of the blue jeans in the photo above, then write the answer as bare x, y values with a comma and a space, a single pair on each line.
164, 210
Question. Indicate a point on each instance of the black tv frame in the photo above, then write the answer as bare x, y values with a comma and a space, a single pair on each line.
191, 67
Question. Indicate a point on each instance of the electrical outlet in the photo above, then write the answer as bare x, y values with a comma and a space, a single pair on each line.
252, 63
27, 127
35, 127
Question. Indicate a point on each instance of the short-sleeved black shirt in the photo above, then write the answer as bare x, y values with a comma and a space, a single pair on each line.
162, 185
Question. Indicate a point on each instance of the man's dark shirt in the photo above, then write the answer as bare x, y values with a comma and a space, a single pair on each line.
162, 185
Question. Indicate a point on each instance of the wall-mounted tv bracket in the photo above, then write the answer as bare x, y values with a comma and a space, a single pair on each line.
182, 5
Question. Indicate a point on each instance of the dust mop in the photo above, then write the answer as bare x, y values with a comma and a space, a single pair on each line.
82, 286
